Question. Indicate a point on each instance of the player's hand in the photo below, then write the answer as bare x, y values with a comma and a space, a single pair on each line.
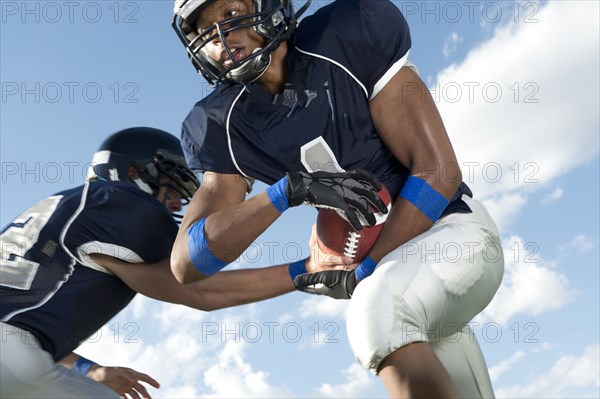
348, 192
337, 284
123, 380
320, 261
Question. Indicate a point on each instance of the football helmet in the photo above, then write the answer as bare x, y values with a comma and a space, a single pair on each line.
275, 20
153, 152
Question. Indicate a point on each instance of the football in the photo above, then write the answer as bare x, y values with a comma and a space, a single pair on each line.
336, 236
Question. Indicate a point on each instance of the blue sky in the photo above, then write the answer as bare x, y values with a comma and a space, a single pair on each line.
518, 87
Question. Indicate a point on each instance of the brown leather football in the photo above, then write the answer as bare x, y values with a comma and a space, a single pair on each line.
336, 236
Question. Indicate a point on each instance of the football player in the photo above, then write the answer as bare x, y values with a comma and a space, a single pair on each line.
332, 93
75, 259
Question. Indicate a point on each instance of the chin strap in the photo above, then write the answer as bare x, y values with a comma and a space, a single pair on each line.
245, 73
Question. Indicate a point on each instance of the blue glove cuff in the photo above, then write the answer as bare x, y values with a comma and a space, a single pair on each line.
365, 269
82, 365
297, 268
276, 194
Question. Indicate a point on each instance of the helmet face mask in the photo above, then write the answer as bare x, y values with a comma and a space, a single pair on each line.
181, 178
153, 153
273, 20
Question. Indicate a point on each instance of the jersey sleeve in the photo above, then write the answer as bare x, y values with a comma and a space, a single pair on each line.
121, 221
370, 39
204, 141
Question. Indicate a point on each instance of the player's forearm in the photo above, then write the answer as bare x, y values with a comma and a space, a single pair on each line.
403, 223
68, 360
213, 239
224, 234
224, 289
238, 287
218, 219
412, 129
78, 363
232, 230
409, 219
410, 216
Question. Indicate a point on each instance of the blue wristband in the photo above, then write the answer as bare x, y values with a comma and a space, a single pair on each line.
200, 253
430, 202
82, 365
276, 194
365, 269
297, 268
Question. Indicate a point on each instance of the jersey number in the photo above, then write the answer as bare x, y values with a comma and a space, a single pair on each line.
20, 236
317, 155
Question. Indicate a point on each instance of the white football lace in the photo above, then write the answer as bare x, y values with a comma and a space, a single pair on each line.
351, 245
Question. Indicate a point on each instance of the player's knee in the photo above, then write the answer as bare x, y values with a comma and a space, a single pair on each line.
384, 315
370, 322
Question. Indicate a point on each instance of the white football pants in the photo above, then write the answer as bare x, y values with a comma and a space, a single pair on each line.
27, 371
427, 290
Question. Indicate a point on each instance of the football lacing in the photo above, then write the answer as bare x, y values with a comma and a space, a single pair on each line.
351, 245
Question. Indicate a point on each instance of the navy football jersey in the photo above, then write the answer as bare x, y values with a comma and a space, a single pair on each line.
339, 58
48, 283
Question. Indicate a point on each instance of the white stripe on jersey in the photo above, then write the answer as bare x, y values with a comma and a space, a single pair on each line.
73, 259
104, 248
389, 75
229, 135
339, 65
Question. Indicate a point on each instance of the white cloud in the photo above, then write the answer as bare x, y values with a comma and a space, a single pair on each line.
191, 356
570, 376
451, 44
139, 305
323, 306
159, 355
107, 348
170, 314
523, 116
164, 358
505, 365
504, 208
580, 244
232, 377
358, 381
530, 285
544, 347
554, 196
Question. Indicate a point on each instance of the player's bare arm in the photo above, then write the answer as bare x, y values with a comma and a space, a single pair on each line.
232, 223
409, 123
220, 225
224, 289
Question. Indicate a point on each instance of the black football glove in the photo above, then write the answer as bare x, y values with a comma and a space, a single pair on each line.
337, 284
348, 192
